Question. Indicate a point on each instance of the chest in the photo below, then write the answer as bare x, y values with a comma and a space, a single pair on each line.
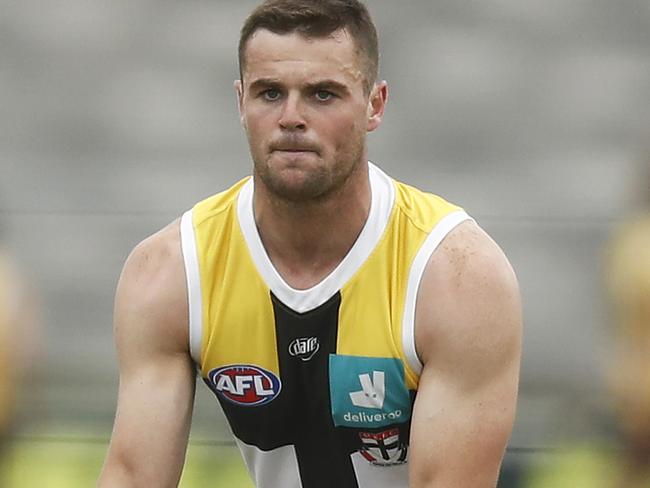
317, 383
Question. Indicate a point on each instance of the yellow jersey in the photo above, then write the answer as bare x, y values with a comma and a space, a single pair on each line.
317, 385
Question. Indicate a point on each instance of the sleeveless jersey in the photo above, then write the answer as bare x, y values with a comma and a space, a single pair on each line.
317, 385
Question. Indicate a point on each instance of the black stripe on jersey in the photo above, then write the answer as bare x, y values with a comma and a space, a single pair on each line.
301, 414
323, 451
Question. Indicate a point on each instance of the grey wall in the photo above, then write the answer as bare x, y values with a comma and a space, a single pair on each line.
115, 116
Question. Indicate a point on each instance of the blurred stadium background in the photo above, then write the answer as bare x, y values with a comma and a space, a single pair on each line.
116, 116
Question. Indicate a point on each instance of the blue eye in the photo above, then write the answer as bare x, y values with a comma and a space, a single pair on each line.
271, 95
324, 95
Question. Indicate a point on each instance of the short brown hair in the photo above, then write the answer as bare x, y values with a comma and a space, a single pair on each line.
316, 19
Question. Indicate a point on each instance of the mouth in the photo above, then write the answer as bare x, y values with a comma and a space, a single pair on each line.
296, 150
293, 147
295, 154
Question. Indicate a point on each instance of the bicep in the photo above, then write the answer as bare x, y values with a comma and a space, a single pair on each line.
157, 376
469, 340
459, 433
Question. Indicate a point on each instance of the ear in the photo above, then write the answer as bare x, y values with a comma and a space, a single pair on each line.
239, 89
377, 105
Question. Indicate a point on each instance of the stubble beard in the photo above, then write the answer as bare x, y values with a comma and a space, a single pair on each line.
315, 184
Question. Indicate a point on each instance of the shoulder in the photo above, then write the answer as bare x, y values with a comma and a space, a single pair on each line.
424, 209
468, 301
628, 253
219, 203
158, 253
151, 298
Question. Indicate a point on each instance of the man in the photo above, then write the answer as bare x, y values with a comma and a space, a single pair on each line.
7, 374
629, 362
355, 331
618, 456
19, 325
616, 453
7, 367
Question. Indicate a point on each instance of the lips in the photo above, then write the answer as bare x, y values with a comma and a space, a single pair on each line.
293, 147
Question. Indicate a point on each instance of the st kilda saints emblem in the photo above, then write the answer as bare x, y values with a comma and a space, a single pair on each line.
383, 448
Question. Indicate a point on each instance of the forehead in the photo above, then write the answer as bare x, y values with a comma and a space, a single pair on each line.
294, 55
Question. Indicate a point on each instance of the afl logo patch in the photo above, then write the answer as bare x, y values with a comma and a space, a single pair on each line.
245, 384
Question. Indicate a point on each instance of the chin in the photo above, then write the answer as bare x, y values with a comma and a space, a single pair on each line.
297, 185
298, 192
294, 165
301, 178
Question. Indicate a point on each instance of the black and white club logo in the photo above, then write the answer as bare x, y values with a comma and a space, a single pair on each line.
304, 347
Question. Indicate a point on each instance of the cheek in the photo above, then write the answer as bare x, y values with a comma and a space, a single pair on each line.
256, 118
255, 128
346, 125
352, 133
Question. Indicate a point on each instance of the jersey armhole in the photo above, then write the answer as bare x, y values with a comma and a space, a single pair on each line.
193, 278
430, 244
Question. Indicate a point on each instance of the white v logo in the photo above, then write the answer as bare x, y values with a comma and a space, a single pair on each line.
372, 393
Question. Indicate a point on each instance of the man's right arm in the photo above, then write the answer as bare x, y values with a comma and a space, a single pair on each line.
157, 377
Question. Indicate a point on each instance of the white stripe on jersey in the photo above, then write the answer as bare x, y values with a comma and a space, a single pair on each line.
271, 469
371, 476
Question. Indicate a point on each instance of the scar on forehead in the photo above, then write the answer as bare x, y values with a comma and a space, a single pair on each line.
354, 71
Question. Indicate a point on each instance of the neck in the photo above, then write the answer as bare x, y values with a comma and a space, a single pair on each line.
307, 240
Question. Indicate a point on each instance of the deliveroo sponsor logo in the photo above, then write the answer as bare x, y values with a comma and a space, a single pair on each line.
368, 392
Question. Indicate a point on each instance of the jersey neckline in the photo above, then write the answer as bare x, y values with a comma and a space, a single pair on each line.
382, 201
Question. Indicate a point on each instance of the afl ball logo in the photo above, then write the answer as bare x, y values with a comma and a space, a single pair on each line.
245, 384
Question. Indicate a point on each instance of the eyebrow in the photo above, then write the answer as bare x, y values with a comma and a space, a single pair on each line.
264, 82
326, 84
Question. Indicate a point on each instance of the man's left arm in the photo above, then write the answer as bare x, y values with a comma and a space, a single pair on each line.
468, 337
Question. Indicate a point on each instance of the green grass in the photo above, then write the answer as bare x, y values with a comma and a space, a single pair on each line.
61, 464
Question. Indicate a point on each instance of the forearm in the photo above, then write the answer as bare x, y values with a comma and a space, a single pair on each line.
124, 471
117, 475
476, 470
452, 478
151, 431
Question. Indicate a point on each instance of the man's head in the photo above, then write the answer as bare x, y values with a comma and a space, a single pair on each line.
317, 19
305, 98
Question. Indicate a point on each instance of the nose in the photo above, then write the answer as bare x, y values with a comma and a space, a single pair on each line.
292, 117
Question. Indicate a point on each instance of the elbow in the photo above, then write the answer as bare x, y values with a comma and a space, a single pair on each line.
124, 470
119, 472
